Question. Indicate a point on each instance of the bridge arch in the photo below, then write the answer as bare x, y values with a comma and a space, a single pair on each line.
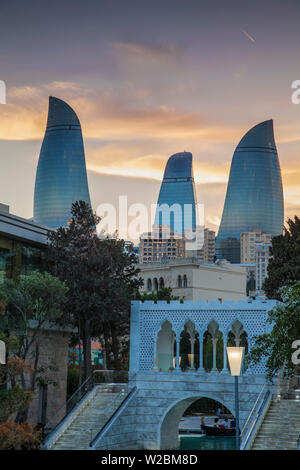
169, 423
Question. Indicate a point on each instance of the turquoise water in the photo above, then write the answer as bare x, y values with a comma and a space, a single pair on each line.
203, 442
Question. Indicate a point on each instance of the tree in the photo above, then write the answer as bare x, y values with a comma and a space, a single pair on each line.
276, 346
284, 265
27, 304
100, 275
14, 399
14, 436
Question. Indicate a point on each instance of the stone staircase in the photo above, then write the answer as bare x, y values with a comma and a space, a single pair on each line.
90, 418
280, 428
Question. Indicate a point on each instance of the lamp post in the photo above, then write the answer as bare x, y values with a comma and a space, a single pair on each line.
235, 357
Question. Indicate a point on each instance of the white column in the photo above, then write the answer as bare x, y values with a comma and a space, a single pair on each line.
224, 370
155, 366
214, 368
201, 369
192, 340
177, 368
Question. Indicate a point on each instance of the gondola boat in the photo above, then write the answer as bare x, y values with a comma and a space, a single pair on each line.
215, 431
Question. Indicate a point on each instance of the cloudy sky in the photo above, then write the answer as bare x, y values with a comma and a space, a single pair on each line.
149, 79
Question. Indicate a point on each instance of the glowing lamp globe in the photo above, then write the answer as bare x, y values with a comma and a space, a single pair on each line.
235, 358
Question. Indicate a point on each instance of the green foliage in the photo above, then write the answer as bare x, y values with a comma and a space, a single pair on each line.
38, 297
30, 302
12, 400
11, 342
101, 278
276, 346
284, 266
43, 378
165, 293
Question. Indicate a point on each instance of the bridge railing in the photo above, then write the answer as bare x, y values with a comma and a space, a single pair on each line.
110, 378
260, 406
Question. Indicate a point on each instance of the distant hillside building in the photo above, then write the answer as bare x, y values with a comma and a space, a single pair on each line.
255, 251
249, 241
261, 261
191, 280
208, 252
161, 244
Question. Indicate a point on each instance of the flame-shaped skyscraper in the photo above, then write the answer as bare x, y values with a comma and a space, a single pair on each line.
254, 198
177, 196
61, 177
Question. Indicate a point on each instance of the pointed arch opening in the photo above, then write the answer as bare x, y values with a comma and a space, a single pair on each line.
189, 348
165, 348
213, 348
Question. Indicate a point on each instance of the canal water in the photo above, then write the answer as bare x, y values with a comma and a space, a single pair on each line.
203, 442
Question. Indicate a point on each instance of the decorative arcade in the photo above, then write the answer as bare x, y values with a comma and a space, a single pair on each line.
178, 355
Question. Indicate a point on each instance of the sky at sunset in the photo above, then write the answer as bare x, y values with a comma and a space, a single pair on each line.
147, 80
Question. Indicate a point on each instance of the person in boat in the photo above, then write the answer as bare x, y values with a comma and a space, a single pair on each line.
224, 424
202, 423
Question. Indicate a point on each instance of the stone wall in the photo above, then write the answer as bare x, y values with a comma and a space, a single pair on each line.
53, 346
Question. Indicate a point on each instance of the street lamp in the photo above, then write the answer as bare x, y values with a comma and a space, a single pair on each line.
2, 352
235, 357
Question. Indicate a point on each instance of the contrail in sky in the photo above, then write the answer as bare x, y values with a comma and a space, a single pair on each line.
248, 35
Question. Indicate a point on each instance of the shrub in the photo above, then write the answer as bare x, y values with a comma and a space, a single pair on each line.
14, 436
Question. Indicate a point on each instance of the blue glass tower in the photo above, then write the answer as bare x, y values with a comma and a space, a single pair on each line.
177, 192
254, 198
61, 177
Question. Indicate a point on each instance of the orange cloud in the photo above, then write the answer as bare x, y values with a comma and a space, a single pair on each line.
104, 117
148, 166
124, 137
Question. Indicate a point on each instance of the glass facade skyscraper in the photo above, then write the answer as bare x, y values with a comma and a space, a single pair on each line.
177, 197
254, 198
61, 177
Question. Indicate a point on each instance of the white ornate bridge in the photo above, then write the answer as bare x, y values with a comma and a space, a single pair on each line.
178, 355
